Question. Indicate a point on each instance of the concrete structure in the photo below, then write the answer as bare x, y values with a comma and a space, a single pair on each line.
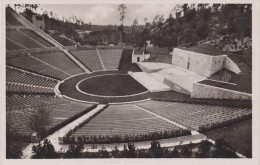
207, 91
150, 82
150, 67
139, 57
231, 65
38, 21
178, 78
203, 64
189, 67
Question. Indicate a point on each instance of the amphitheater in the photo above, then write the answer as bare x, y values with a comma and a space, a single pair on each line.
139, 100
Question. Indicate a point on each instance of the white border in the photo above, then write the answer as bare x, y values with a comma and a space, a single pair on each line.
255, 94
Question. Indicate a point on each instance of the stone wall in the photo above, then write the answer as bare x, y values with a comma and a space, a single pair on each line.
231, 65
136, 56
217, 63
205, 65
200, 63
206, 91
141, 57
175, 87
180, 57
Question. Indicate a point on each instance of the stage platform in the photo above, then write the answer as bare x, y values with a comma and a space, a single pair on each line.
178, 78
149, 82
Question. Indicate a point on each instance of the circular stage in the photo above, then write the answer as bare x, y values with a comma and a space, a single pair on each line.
103, 87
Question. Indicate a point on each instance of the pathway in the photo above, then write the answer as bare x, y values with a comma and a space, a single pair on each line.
27, 152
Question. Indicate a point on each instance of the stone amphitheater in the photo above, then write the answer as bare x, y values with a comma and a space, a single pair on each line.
196, 91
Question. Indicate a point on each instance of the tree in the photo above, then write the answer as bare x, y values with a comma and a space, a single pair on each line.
223, 150
144, 36
122, 12
115, 152
13, 151
103, 153
175, 153
186, 150
204, 149
185, 7
39, 121
74, 151
43, 150
157, 151
129, 151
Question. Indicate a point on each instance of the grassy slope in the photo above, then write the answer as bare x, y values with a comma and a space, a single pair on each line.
239, 136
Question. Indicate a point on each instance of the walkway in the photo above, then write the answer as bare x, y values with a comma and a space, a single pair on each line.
27, 152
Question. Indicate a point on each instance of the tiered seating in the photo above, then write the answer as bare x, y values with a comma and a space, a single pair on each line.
33, 65
15, 102
22, 39
63, 41
89, 58
193, 115
61, 61
20, 119
222, 75
18, 76
111, 58
26, 88
123, 120
11, 20
36, 37
10, 45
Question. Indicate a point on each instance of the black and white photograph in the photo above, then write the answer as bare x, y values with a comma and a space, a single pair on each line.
159, 82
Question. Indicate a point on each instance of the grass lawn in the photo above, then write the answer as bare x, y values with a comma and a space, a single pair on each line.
239, 136
112, 85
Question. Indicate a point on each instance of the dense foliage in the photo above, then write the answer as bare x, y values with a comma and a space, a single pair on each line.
186, 25
202, 150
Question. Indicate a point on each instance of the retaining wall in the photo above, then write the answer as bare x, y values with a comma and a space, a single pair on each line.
206, 91
231, 65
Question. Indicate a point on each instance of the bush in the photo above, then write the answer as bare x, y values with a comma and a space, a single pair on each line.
124, 138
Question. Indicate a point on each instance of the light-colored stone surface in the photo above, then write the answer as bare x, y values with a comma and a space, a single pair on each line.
180, 58
206, 91
181, 77
149, 82
202, 64
217, 63
231, 65
158, 77
153, 66
139, 57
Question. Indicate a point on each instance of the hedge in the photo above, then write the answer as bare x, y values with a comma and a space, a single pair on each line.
106, 139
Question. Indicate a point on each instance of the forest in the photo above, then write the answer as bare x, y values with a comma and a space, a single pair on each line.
186, 25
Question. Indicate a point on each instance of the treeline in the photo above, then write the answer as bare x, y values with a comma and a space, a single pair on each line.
193, 23
66, 26
202, 150
186, 25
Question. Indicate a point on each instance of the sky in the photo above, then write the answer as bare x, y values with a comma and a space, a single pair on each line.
104, 14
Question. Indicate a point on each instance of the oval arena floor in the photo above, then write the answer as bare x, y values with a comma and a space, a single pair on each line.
103, 87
